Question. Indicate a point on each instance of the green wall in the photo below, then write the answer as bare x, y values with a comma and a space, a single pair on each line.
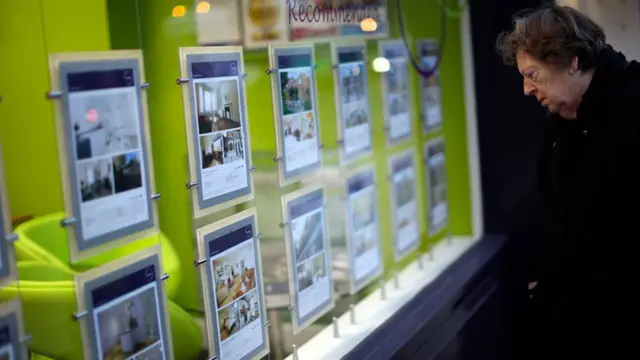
31, 29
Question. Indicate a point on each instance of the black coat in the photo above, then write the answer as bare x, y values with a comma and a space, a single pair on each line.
590, 183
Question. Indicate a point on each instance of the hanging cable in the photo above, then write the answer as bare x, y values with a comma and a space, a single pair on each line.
443, 32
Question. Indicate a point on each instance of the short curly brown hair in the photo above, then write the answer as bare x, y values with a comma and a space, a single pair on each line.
555, 35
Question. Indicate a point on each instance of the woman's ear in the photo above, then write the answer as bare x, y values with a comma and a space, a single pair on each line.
573, 68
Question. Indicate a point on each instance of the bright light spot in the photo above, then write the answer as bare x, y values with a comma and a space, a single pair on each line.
203, 7
368, 25
178, 11
381, 65
92, 115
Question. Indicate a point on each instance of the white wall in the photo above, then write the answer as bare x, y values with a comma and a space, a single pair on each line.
620, 20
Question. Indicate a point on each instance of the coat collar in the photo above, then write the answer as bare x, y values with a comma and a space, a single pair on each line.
610, 65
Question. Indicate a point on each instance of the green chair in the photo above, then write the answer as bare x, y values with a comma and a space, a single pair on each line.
47, 290
44, 240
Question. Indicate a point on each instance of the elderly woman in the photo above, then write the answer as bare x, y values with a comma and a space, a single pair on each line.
589, 179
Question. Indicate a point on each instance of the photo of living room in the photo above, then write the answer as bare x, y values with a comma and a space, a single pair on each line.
211, 150
127, 173
104, 125
234, 273
352, 80
233, 147
218, 105
308, 236
295, 89
129, 326
95, 179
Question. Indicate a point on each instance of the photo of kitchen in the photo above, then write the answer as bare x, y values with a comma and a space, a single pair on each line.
234, 273
211, 154
127, 172
95, 179
129, 326
218, 105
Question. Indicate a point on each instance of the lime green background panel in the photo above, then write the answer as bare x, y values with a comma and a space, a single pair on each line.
29, 31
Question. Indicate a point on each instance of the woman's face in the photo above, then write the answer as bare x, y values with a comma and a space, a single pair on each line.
559, 90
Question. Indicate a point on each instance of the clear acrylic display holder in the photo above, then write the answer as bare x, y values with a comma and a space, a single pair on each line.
134, 268
100, 65
210, 56
247, 223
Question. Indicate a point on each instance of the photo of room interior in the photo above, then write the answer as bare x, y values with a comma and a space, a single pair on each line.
218, 105
127, 172
296, 91
211, 150
355, 114
6, 353
403, 188
397, 78
363, 209
233, 146
437, 174
237, 315
128, 327
311, 271
104, 125
305, 275
234, 274
293, 128
95, 179
308, 236
308, 126
363, 242
153, 353
352, 80
398, 104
